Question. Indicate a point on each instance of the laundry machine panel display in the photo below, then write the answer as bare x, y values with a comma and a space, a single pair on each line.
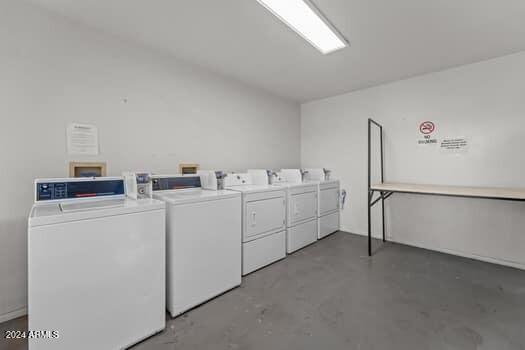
78, 189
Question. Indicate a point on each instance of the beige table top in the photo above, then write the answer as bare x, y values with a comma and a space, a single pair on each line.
458, 191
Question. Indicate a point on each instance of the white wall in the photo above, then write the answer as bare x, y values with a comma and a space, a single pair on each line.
53, 72
484, 102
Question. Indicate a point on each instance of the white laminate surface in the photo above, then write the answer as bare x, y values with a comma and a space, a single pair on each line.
460, 191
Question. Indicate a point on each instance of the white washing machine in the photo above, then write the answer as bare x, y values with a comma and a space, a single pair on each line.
329, 200
96, 265
203, 233
263, 221
302, 209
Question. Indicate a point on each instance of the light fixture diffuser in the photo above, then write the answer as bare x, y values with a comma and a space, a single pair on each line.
306, 20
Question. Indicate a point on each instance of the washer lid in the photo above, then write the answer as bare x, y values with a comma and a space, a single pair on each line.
95, 205
254, 188
55, 213
193, 195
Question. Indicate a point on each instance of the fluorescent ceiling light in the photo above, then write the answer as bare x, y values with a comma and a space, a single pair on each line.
307, 21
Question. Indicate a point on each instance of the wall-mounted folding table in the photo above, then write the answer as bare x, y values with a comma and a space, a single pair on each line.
386, 189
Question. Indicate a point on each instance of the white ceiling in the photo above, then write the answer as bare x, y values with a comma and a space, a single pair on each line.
390, 40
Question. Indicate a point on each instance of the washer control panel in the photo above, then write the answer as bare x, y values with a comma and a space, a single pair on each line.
161, 183
48, 190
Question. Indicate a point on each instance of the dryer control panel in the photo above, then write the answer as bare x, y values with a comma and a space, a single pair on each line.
50, 189
238, 179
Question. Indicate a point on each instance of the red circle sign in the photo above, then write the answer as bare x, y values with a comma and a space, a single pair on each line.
427, 127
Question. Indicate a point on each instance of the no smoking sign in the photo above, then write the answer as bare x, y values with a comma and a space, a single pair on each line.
427, 128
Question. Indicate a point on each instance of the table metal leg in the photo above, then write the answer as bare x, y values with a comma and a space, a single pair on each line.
370, 194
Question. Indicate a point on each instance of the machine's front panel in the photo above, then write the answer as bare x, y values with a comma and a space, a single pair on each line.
264, 216
204, 251
302, 206
328, 200
79, 270
328, 224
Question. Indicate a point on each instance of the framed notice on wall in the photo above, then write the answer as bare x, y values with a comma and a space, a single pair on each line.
82, 139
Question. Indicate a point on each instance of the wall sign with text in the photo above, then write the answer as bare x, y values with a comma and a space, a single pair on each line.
82, 139
454, 145
426, 134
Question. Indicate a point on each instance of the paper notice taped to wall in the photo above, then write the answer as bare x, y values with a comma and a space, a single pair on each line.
454, 145
82, 139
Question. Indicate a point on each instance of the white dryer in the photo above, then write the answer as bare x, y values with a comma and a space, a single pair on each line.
96, 265
203, 232
263, 221
302, 209
329, 200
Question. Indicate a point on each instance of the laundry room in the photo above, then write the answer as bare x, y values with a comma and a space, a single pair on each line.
262, 174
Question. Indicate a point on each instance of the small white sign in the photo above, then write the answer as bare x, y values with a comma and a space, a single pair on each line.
426, 132
82, 139
454, 145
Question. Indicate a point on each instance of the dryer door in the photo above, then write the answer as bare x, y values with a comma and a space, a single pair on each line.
328, 200
263, 216
302, 206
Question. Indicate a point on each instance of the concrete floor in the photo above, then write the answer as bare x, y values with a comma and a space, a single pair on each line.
331, 296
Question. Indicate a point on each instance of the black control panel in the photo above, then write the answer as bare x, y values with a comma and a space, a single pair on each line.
176, 183
78, 189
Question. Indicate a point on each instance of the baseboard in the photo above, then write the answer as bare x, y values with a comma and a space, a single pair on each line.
492, 260
13, 314
361, 234
497, 261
